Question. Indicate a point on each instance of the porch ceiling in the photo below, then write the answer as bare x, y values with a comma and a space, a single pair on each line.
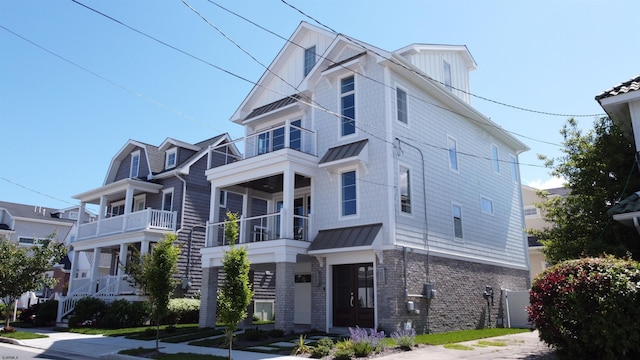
118, 187
273, 184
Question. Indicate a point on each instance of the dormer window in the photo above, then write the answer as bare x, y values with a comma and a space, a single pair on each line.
170, 158
309, 59
135, 164
447, 76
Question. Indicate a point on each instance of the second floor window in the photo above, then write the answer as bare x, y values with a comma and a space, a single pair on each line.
514, 168
401, 105
349, 197
135, 164
167, 200
457, 221
348, 105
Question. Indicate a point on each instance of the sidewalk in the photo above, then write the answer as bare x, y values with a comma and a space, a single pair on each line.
519, 346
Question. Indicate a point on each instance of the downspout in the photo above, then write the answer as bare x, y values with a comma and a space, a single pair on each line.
184, 196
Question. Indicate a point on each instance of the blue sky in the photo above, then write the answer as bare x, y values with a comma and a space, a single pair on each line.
61, 124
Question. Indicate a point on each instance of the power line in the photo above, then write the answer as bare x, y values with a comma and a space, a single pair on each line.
35, 191
440, 82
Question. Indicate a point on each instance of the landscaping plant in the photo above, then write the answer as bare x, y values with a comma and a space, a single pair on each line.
405, 339
589, 308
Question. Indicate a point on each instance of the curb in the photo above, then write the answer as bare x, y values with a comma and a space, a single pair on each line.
11, 341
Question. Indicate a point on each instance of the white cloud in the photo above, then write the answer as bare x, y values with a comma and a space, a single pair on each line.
554, 182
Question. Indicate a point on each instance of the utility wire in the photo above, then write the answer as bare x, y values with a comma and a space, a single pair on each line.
440, 82
35, 191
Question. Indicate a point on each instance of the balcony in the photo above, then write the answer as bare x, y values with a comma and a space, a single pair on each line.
288, 136
258, 229
149, 219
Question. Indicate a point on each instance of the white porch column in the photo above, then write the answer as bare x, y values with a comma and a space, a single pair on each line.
95, 269
246, 213
122, 262
214, 215
103, 205
74, 270
128, 205
288, 194
144, 247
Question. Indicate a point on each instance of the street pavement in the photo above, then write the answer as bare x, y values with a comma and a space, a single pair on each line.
518, 346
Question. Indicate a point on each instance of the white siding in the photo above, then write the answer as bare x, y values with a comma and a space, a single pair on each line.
432, 63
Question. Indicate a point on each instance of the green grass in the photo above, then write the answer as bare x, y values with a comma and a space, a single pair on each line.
178, 356
203, 333
465, 335
457, 347
491, 343
125, 331
22, 335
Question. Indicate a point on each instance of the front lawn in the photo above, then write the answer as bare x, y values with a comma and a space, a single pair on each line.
465, 335
22, 335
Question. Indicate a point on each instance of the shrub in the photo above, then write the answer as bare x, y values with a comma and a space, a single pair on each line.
320, 351
254, 334
405, 339
325, 341
47, 313
276, 333
183, 311
343, 354
29, 315
122, 314
88, 312
589, 308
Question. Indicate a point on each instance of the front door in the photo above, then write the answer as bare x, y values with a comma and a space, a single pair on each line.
353, 295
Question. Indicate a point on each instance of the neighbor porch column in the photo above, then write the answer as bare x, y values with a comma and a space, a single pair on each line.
74, 270
285, 295
95, 270
128, 206
208, 297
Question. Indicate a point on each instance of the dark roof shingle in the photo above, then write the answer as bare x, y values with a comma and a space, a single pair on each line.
623, 88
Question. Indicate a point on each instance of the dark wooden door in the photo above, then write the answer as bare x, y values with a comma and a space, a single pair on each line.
353, 295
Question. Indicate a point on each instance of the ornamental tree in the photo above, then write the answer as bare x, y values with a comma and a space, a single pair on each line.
22, 268
235, 294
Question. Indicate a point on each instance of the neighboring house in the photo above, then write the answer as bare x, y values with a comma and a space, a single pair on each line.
30, 225
149, 191
534, 220
375, 195
622, 104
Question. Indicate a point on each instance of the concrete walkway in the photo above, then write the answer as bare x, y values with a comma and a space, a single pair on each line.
519, 346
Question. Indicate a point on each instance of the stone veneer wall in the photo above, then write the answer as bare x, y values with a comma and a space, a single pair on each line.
459, 303
318, 294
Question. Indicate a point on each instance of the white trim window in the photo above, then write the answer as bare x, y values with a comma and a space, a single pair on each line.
309, 59
402, 106
495, 159
348, 105
29, 241
405, 190
139, 202
514, 168
486, 205
171, 158
452, 147
135, 164
456, 212
117, 208
446, 68
167, 199
349, 198
531, 211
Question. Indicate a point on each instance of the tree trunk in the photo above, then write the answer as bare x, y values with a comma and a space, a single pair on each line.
157, 331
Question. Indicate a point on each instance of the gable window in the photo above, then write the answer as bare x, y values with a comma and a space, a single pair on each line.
447, 76
514, 168
401, 105
348, 105
457, 220
405, 190
494, 159
349, 198
167, 199
309, 59
135, 164
170, 158
486, 205
452, 147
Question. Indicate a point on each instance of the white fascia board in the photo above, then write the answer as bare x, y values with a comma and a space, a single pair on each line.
170, 141
621, 98
117, 186
459, 106
67, 223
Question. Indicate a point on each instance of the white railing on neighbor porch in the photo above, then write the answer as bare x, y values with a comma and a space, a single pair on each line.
139, 220
106, 288
264, 142
258, 228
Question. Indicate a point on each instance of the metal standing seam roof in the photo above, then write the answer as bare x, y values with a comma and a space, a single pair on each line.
273, 106
627, 205
344, 151
354, 236
623, 88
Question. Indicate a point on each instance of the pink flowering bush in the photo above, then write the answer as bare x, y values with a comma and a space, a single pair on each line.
589, 308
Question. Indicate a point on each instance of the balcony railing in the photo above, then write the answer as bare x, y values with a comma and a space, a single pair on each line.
139, 220
264, 142
258, 228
